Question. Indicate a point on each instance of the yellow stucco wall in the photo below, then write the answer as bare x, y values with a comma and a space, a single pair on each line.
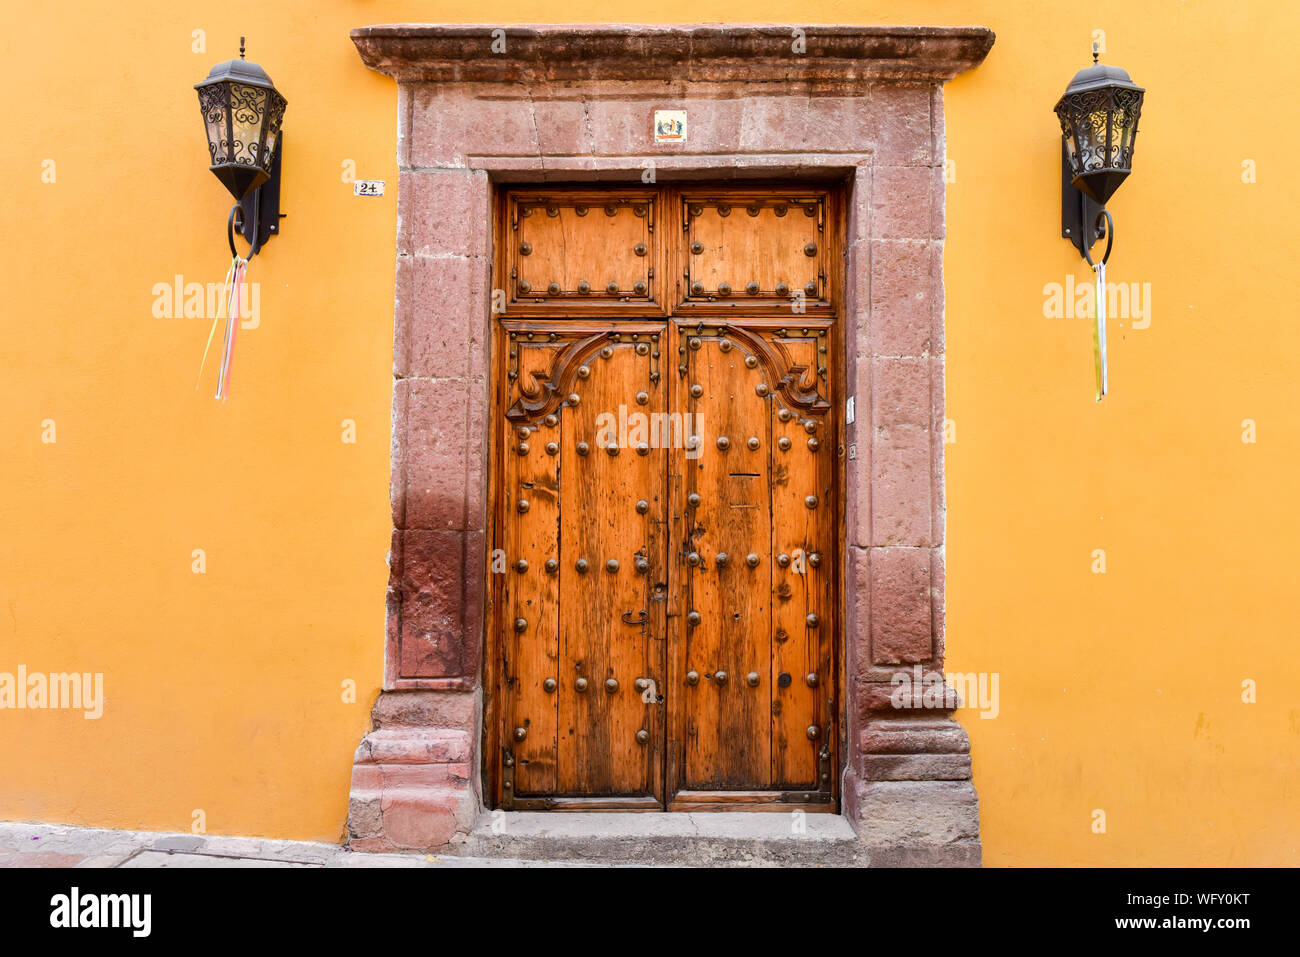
1119, 691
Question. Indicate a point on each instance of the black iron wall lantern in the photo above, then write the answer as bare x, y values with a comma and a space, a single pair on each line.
242, 114
1099, 121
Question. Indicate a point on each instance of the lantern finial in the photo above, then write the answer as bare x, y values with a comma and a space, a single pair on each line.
241, 50
1096, 48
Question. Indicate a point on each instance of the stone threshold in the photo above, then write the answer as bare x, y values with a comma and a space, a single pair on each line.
695, 839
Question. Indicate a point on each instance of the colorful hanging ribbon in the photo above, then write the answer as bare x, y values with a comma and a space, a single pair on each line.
233, 282
1099, 331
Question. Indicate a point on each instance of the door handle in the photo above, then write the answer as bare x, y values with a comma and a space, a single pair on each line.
629, 620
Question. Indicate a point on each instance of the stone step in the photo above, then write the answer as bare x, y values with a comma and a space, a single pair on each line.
753, 839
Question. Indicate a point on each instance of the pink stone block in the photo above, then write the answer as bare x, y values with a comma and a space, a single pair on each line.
858, 475
938, 453
441, 311
937, 332
900, 393
904, 135
938, 201
900, 202
901, 319
442, 213
900, 486
431, 587
563, 128
858, 228
767, 123
858, 612
415, 746
451, 123
434, 452
938, 603
901, 629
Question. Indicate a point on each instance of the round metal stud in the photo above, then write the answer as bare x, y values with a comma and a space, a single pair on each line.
642, 507
697, 289
693, 559
810, 250
720, 677
552, 211
522, 448
611, 685
783, 679
813, 732
751, 560
724, 289
751, 679
752, 288
785, 415
525, 249
521, 566
552, 566
723, 443
642, 564
752, 210
694, 343
611, 566
724, 345
783, 289
584, 287
521, 624
692, 677
760, 390
693, 618
784, 443
584, 372
697, 390
611, 287
697, 247
815, 559
642, 398
553, 289
643, 349
811, 501
693, 500
751, 362
580, 685
783, 560
523, 432
639, 287
810, 426
582, 210
607, 352
521, 733
812, 620
811, 679
549, 686
724, 210
612, 449
552, 420
583, 448
611, 210
752, 443
642, 448
781, 210
813, 445
642, 737
522, 505
696, 210
639, 249
810, 290
581, 565
573, 399
524, 287
721, 559
552, 448
641, 684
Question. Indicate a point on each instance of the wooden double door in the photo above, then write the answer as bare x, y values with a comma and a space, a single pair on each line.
665, 553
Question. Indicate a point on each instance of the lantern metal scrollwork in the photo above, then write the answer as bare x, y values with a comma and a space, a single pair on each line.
242, 115
1099, 115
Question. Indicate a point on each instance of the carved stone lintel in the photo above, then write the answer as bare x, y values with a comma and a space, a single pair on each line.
843, 56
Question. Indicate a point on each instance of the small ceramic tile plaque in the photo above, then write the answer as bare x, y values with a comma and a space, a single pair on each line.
670, 126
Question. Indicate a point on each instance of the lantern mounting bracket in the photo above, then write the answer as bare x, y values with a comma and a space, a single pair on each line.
257, 216
1080, 214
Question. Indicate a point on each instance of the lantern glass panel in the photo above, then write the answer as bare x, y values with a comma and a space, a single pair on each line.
247, 115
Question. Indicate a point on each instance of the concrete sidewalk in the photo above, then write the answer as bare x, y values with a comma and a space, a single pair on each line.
55, 845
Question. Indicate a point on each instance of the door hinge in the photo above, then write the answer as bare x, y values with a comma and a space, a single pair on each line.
824, 780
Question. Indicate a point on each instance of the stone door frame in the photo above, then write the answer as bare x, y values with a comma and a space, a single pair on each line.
482, 105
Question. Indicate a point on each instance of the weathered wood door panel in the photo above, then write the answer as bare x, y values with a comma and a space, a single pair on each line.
664, 602
585, 548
